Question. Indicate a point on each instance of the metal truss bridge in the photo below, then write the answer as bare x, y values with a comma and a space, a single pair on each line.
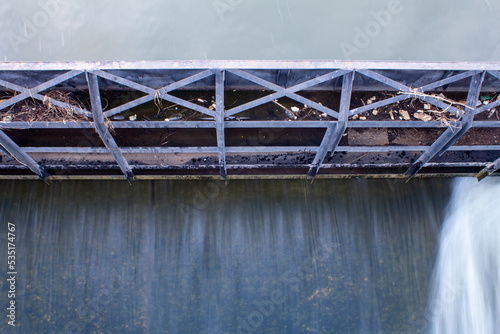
344, 136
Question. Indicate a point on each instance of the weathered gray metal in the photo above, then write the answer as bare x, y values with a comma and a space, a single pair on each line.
10, 147
157, 74
412, 80
334, 132
103, 130
451, 135
219, 121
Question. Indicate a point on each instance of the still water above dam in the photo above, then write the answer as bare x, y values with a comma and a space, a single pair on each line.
66, 30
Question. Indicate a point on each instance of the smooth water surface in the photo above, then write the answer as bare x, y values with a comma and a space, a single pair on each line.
446, 30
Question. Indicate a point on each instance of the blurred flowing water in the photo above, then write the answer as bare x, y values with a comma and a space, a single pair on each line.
250, 29
338, 256
466, 289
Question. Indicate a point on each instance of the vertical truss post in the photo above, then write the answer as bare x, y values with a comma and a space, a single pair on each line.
102, 129
219, 120
334, 133
9, 146
450, 136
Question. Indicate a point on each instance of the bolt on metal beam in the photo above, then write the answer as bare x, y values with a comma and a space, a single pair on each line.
17, 153
102, 129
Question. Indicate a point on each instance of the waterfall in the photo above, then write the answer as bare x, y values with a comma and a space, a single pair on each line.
465, 295
206, 257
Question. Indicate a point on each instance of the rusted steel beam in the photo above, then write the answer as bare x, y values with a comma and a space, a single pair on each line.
488, 170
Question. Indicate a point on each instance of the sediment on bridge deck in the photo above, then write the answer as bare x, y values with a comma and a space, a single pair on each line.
246, 119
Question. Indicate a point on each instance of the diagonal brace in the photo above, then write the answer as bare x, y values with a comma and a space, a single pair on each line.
17, 153
288, 92
488, 170
102, 129
333, 134
450, 136
34, 92
409, 92
160, 93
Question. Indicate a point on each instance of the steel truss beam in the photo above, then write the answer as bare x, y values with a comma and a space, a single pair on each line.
34, 93
157, 93
288, 92
409, 92
219, 121
252, 149
103, 130
334, 130
239, 125
10, 147
450, 136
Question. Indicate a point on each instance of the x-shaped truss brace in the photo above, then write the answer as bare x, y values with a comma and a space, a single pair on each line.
290, 92
35, 93
16, 152
450, 136
334, 129
8, 144
331, 138
163, 93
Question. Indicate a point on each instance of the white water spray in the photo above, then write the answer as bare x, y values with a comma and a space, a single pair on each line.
466, 289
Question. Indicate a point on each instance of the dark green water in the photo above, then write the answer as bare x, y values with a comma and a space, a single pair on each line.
337, 256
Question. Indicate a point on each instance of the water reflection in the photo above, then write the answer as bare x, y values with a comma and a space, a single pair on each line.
206, 257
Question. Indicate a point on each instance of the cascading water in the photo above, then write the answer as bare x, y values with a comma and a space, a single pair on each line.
466, 290
194, 257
